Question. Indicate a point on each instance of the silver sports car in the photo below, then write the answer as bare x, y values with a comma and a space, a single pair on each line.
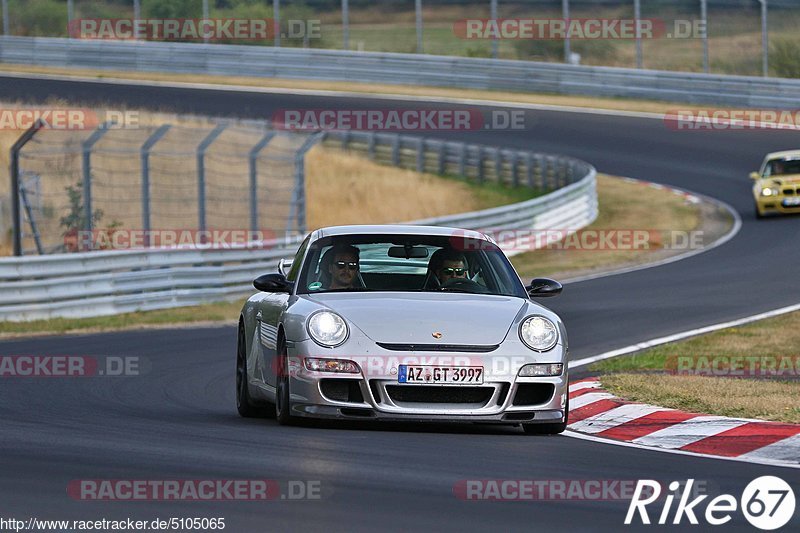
402, 323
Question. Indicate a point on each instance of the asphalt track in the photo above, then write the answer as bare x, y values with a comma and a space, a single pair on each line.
178, 421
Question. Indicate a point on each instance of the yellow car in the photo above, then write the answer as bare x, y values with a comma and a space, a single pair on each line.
777, 184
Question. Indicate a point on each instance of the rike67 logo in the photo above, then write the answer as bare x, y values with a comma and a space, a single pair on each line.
767, 502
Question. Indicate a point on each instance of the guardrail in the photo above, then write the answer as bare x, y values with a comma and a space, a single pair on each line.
403, 69
113, 282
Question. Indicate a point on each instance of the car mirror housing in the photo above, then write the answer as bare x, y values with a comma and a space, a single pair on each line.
543, 288
273, 283
755, 176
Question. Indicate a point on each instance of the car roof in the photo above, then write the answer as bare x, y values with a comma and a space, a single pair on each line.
397, 229
785, 154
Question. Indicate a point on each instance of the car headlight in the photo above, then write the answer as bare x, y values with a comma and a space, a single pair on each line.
541, 369
538, 333
327, 329
770, 191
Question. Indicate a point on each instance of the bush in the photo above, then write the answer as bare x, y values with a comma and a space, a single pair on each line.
38, 18
784, 58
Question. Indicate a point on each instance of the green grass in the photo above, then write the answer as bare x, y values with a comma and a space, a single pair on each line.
649, 376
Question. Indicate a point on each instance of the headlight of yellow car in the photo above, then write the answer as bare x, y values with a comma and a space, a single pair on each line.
770, 191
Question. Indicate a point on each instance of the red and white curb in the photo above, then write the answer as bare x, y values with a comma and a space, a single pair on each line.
596, 412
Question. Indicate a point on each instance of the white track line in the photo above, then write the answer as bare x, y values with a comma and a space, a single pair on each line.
741, 459
682, 335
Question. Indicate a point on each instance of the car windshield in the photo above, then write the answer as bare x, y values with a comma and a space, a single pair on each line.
408, 263
780, 167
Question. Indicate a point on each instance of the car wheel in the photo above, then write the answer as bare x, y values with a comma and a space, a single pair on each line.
283, 406
548, 429
244, 404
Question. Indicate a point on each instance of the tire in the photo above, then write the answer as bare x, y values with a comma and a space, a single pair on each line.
244, 404
548, 429
283, 405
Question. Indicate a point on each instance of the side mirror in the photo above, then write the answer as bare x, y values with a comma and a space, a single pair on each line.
543, 288
273, 283
755, 176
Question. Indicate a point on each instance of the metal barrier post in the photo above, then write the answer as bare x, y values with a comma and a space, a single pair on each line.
421, 155
396, 150
144, 158
14, 171
201, 174
253, 159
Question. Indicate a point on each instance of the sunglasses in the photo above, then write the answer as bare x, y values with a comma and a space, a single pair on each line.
454, 271
341, 264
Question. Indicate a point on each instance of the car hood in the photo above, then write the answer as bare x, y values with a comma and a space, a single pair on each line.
402, 318
785, 179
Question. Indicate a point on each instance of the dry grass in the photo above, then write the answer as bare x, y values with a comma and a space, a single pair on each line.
347, 189
778, 401
623, 205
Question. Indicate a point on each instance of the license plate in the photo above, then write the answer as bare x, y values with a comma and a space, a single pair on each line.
791, 202
432, 375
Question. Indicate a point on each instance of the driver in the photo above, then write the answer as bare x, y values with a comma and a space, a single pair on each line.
447, 265
343, 267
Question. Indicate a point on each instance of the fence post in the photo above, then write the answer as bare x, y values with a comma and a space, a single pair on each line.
276, 22
144, 157
88, 144
345, 25
442, 154
14, 171
253, 159
298, 207
421, 155
498, 165
201, 175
